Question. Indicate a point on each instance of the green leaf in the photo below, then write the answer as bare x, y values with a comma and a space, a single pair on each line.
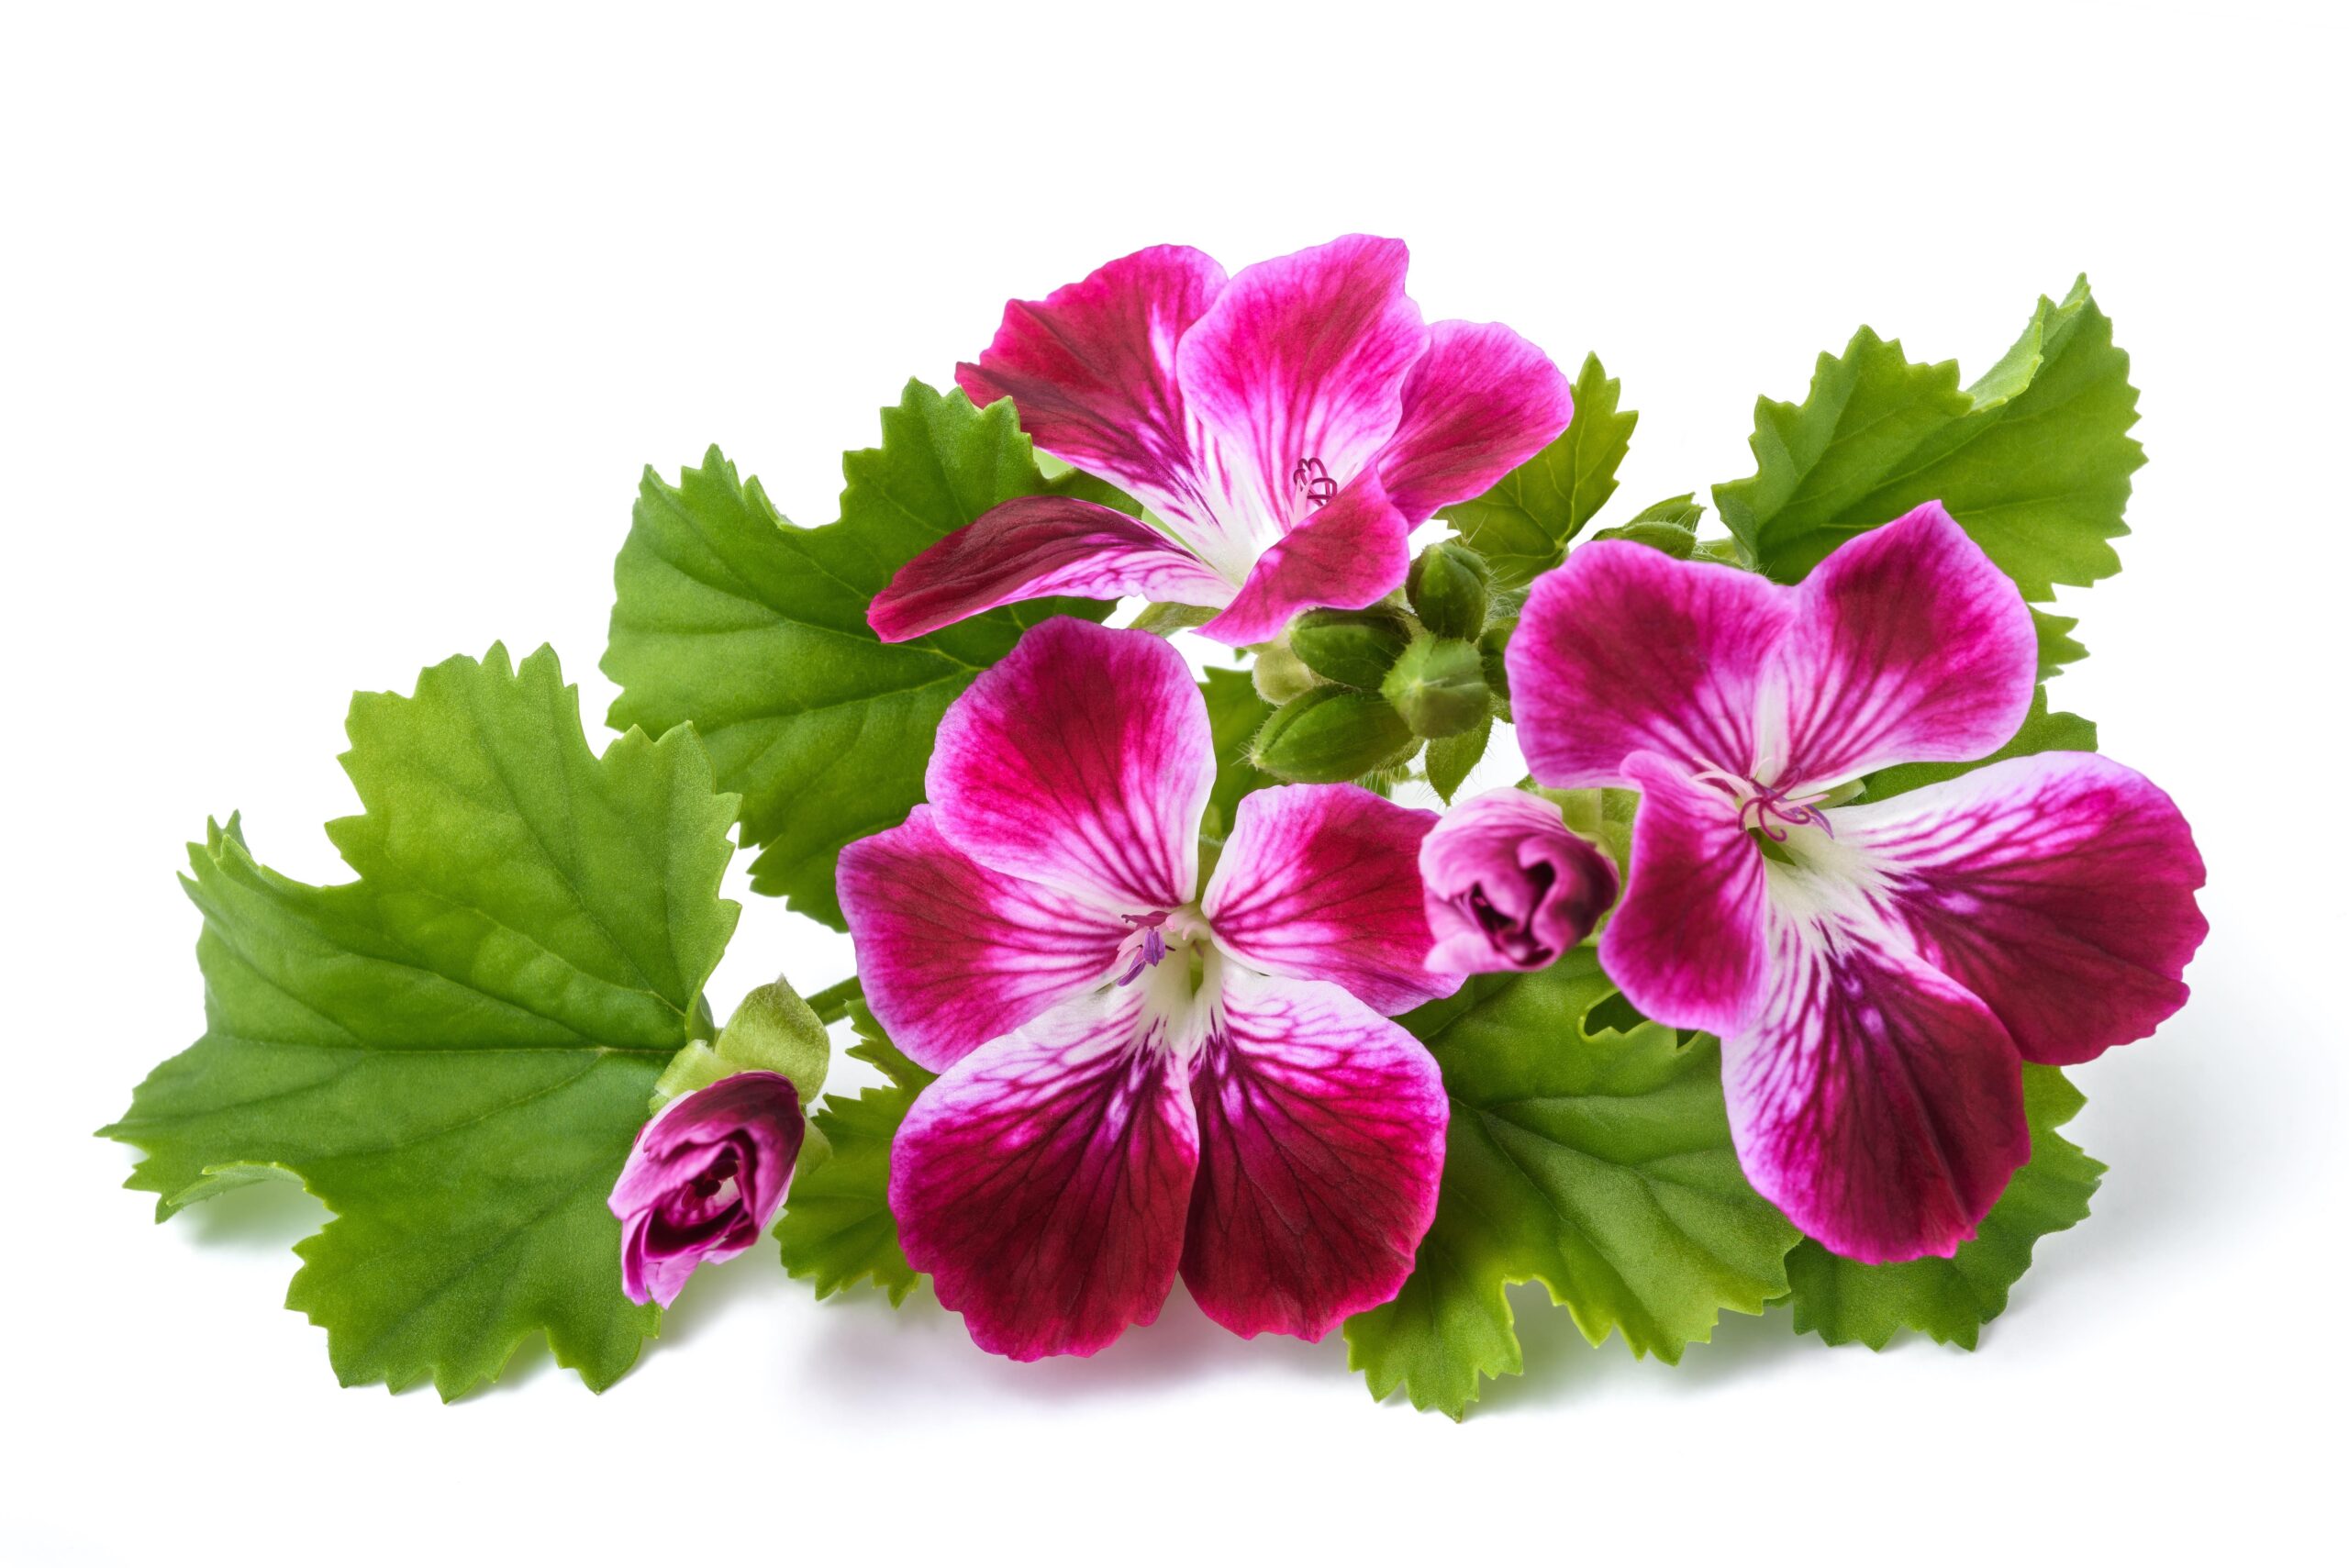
1062, 480
2042, 731
1600, 1165
1669, 525
2035, 458
1165, 620
1452, 758
2057, 646
837, 1228
1234, 715
454, 1051
1950, 1298
1523, 525
831, 1004
753, 630
1679, 511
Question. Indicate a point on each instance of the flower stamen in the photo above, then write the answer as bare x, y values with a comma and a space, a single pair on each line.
1767, 803
1769, 809
1314, 480
1151, 947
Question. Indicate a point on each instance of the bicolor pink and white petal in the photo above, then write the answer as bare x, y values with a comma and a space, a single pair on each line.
1321, 1128
1138, 1077
1877, 971
1286, 428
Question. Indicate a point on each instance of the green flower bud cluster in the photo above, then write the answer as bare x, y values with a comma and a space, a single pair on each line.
1357, 692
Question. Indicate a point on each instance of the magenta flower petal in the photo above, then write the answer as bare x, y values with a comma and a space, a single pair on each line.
703, 1180
1876, 971
1479, 402
1509, 886
1875, 1101
1320, 1130
1082, 760
1033, 547
1042, 1182
1321, 881
1905, 645
952, 954
1687, 944
1624, 650
2058, 888
1296, 370
1255, 419
1092, 369
1347, 556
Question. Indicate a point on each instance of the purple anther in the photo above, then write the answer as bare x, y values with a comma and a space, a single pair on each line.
1150, 948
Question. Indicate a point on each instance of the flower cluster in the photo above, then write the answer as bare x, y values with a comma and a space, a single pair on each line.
1139, 1081
1758, 975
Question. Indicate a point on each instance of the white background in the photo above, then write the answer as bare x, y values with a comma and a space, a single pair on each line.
334, 340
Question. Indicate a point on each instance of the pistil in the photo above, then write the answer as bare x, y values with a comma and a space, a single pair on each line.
1314, 480
1770, 811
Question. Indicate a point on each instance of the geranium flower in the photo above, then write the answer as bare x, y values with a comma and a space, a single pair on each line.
1876, 971
1510, 885
1138, 1077
1291, 428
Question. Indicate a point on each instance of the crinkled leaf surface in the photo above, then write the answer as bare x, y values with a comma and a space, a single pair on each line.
1600, 1165
1524, 522
837, 1228
753, 630
2033, 458
1950, 1298
455, 1050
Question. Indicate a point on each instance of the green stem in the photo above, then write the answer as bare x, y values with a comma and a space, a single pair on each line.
831, 1003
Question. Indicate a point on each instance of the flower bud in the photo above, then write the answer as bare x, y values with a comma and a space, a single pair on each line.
1332, 734
1280, 675
704, 1181
1439, 687
1353, 648
1493, 647
1508, 886
1450, 587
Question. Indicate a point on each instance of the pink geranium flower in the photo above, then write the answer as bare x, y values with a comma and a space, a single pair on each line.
1139, 1077
1289, 426
1876, 971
